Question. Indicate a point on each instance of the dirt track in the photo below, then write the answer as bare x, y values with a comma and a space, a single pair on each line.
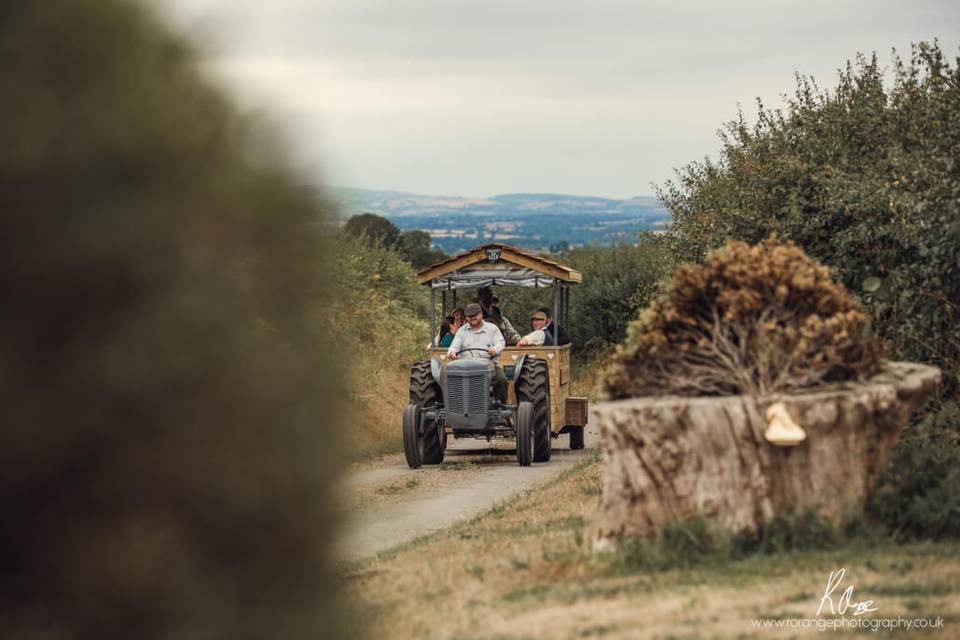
434, 498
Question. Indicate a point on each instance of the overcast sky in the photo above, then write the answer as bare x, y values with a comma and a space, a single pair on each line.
479, 98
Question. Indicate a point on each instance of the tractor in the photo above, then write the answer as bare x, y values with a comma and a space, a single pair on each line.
456, 397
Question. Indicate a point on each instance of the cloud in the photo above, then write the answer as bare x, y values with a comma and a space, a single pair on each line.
370, 85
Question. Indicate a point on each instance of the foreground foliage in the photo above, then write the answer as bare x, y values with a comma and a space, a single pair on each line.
168, 406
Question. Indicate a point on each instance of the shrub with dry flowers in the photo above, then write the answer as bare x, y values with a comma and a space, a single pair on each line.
754, 320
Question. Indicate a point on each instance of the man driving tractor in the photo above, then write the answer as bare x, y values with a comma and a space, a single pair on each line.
481, 340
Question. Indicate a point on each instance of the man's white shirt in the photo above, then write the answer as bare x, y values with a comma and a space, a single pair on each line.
535, 338
488, 337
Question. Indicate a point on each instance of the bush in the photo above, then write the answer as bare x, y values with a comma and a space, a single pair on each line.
789, 531
694, 541
168, 442
753, 320
618, 281
416, 247
377, 326
918, 496
683, 543
865, 179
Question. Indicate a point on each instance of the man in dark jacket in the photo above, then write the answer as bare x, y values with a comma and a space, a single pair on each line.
550, 327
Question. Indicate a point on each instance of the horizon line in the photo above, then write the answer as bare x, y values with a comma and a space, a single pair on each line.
510, 193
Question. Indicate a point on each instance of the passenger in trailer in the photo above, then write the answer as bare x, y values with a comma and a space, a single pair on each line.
537, 337
562, 337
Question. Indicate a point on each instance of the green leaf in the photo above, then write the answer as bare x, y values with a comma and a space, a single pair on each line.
871, 284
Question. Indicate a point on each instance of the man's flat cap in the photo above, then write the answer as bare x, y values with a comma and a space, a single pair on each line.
472, 309
538, 315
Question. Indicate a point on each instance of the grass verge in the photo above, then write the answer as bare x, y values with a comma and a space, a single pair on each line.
524, 569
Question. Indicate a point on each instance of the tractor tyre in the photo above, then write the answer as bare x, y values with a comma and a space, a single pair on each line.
525, 433
412, 441
576, 438
533, 386
424, 392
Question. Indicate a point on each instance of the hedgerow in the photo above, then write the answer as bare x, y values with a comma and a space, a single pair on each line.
865, 178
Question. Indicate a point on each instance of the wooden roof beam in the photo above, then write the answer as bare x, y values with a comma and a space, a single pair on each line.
509, 254
540, 266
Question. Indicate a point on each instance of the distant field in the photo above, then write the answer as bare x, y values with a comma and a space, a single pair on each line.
536, 221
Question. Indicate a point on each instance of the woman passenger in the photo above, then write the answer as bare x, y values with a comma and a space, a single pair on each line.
448, 329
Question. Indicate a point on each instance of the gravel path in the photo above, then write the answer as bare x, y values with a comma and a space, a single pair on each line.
384, 526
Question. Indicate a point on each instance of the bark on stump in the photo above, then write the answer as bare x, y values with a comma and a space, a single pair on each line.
668, 458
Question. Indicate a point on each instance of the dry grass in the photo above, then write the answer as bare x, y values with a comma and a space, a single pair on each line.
524, 570
374, 423
375, 320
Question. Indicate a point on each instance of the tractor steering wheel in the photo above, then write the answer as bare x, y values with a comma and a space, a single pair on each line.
474, 349
486, 351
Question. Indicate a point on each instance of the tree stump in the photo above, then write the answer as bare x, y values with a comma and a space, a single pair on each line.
668, 458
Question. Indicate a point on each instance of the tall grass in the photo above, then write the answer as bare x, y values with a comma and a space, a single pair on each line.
377, 319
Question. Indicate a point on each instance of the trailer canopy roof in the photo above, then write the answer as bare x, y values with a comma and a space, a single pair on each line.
497, 264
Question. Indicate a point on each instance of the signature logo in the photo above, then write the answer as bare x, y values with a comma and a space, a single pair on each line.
845, 600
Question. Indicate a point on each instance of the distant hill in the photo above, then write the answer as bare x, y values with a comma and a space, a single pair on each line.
545, 221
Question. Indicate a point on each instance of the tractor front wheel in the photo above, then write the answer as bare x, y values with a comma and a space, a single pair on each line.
525, 434
412, 440
424, 392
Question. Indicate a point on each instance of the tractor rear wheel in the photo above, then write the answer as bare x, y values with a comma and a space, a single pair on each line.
424, 392
525, 433
533, 386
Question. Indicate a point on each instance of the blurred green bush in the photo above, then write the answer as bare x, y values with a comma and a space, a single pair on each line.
169, 395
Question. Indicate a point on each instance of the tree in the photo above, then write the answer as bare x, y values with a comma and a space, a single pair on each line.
618, 281
416, 248
375, 228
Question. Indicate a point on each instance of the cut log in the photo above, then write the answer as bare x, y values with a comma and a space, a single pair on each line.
668, 458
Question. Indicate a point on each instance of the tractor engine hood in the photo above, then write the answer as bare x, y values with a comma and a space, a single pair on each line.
466, 394
464, 365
